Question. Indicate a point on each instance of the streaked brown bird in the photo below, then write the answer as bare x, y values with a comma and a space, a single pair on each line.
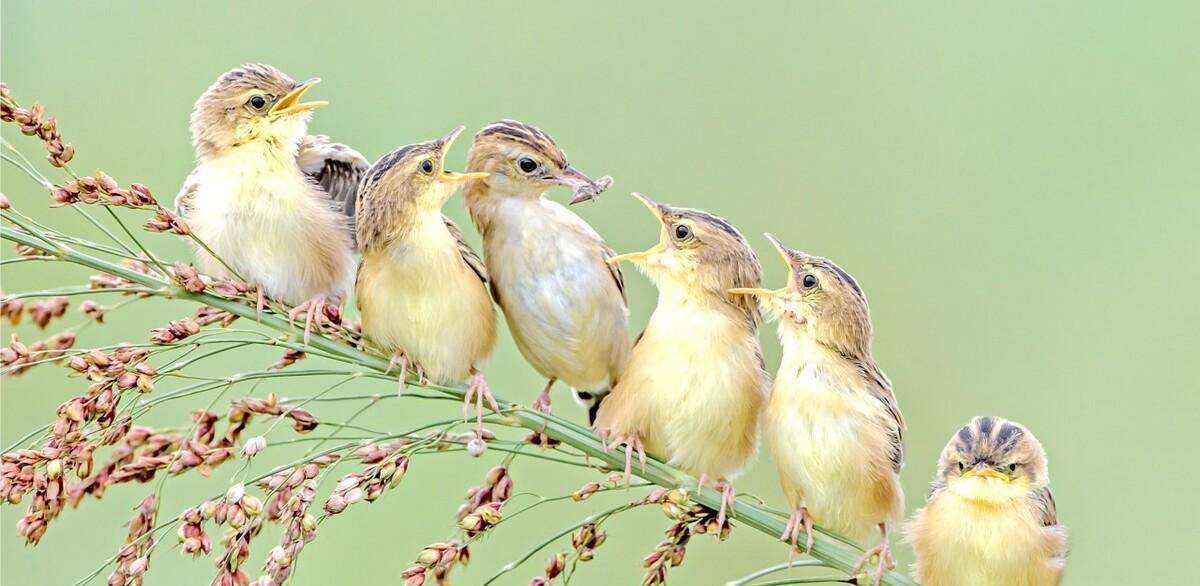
695, 384
564, 304
833, 424
421, 289
271, 202
990, 519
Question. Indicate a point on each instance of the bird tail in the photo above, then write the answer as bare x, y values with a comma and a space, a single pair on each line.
590, 400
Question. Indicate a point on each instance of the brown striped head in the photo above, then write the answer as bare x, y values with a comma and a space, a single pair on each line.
251, 104
698, 254
992, 457
821, 300
525, 162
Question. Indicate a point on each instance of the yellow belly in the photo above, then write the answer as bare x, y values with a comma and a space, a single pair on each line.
960, 541
832, 457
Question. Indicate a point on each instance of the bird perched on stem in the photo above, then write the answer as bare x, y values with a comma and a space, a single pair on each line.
990, 519
268, 202
564, 304
421, 290
695, 385
833, 424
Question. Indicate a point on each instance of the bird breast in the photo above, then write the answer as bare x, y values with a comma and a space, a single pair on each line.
419, 296
272, 226
964, 541
831, 450
558, 295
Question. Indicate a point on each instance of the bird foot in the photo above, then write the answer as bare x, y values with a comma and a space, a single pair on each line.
632, 444
800, 519
883, 552
477, 389
261, 303
542, 402
727, 501
313, 310
401, 359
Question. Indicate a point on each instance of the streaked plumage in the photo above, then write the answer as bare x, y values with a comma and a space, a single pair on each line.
695, 385
991, 518
279, 226
421, 290
833, 424
564, 304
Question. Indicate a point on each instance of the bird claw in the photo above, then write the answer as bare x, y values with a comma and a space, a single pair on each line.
261, 303
401, 359
800, 519
632, 444
886, 561
727, 501
542, 402
477, 388
313, 310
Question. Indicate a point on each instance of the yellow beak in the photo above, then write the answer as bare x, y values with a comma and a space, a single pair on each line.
986, 473
448, 176
290, 104
656, 209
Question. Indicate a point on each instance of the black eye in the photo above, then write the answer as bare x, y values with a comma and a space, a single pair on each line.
809, 282
427, 166
961, 467
682, 232
1012, 467
258, 102
527, 165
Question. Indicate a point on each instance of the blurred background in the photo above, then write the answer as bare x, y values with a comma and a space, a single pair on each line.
1015, 187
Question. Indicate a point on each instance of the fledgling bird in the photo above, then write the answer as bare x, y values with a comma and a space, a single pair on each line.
422, 290
695, 386
270, 201
564, 304
833, 424
990, 519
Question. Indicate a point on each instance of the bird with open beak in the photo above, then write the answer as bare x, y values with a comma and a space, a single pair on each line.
421, 289
268, 201
990, 519
695, 384
832, 424
564, 304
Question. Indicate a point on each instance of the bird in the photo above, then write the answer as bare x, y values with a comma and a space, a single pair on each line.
695, 384
991, 518
421, 290
833, 424
565, 306
269, 202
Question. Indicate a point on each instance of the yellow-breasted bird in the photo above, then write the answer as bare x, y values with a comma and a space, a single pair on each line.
270, 201
564, 304
421, 290
990, 519
833, 424
695, 385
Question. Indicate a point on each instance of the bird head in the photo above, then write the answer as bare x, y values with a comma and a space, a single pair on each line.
525, 162
254, 103
992, 459
415, 176
697, 254
820, 301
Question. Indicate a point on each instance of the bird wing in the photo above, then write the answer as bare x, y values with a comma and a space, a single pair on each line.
881, 388
336, 167
1043, 502
185, 200
468, 254
615, 270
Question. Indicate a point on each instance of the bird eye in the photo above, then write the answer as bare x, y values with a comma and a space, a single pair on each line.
809, 282
1012, 467
961, 467
427, 166
527, 165
682, 232
258, 102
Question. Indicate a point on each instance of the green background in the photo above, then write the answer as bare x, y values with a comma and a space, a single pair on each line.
1015, 186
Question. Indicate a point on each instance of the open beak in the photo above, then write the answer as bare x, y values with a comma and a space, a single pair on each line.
767, 293
656, 209
291, 104
448, 176
985, 471
583, 188
757, 292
